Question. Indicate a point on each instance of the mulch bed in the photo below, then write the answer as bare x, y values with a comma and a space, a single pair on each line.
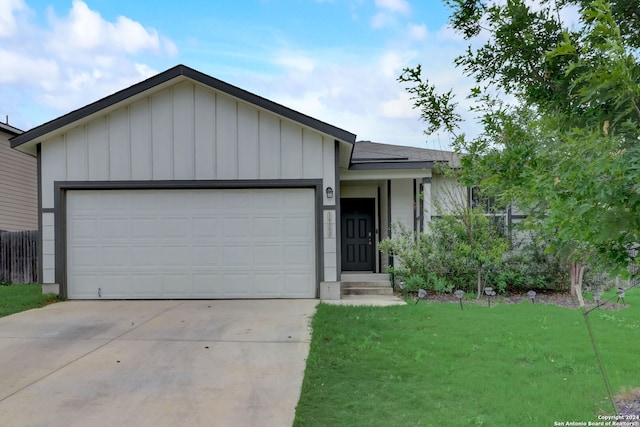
560, 299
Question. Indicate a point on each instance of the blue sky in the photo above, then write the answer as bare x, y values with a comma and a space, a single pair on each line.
335, 60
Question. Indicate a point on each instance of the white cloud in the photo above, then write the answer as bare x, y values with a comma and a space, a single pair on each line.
381, 20
418, 32
85, 30
21, 69
8, 20
391, 63
297, 61
397, 6
399, 107
387, 11
70, 60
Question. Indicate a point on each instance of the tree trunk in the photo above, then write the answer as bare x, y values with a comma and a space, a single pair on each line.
577, 273
479, 282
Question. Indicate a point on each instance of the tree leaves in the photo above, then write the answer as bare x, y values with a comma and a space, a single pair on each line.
567, 150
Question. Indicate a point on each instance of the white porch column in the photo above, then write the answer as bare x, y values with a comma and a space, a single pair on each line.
427, 204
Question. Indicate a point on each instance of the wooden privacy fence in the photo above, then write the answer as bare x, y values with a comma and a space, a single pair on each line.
19, 256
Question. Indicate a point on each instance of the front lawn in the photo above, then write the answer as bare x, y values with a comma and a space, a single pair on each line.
432, 364
16, 298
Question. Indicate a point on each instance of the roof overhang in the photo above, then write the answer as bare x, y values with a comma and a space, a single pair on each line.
7, 128
27, 141
392, 165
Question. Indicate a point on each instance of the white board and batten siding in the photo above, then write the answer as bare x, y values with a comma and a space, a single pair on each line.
185, 132
402, 203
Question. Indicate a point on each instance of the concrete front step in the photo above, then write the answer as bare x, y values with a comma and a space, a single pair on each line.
356, 283
381, 284
375, 290
364, 277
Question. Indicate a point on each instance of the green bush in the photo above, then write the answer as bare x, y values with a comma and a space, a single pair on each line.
415, 282
436, 261
529, 268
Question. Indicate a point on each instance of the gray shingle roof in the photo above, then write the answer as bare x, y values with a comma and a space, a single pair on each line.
368, 155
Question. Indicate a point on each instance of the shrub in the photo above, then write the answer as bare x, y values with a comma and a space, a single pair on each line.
529, 268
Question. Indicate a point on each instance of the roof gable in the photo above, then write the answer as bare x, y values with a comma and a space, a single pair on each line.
27, 140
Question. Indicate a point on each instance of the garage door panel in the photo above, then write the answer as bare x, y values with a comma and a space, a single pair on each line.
147, 202
206, 255
238, 229
267, 256
145, 256
298, 255
237, 256
84, 228
114, 285
269, 284
291, 283
114, 228
208, 285
144, 227
234, 201
191, 243
205, 228
177, 256
237, 284
110, 202
176, 228
175, 285
115, 256
267, 228
297, 228
146, 284
83, 256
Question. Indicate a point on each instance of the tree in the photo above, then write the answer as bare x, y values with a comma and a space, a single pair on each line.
565, 146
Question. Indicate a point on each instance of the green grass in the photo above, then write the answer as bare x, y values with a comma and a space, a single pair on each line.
16, 298
432, 364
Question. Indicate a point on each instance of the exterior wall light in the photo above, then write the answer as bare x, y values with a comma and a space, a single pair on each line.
329, 192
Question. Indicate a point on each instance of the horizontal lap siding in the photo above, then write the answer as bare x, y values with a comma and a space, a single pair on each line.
18, 188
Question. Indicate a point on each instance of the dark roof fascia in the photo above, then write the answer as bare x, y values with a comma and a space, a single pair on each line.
391, 165
380, 159
182, 70
7, 128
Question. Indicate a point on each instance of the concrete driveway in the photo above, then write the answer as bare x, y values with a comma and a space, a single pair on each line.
154, 363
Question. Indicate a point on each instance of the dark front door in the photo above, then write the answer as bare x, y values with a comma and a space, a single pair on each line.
357, 234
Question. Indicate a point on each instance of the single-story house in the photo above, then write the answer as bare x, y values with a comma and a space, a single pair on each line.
184, 186
18, 185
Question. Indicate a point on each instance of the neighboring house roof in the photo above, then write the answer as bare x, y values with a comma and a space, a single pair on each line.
374, 155
177, 72
7, 128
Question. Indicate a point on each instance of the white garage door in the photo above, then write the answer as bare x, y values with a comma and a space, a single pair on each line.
129, 244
